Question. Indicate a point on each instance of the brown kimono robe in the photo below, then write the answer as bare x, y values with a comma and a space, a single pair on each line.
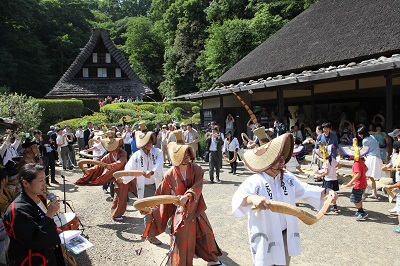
99, 175
191, 231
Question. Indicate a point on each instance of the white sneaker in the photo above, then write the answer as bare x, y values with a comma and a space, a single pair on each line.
394, 210
216, 263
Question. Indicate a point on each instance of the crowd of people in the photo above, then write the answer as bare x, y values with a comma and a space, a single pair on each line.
131, 160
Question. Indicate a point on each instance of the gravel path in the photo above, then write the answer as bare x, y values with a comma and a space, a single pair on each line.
335, 239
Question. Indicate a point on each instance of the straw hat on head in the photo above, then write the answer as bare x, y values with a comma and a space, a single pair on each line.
261, 135
355, 151
177, 150
144, 136
110, 143
324, 151
297, 149
262, 158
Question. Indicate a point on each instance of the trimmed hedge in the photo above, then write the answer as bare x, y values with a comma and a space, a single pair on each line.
63, 109
96, 118
56, 110
90, 106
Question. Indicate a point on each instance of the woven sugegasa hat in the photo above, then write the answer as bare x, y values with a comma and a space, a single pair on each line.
261, 135
177, 150
262, 158
110, 143
323, 154
355, 151
297, 149
144, 136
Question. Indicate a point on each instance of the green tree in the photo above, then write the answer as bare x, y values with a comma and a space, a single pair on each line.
226, 45
146, 50
181, 72
24, 110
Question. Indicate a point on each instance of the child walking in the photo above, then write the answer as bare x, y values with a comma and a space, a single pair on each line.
359, 179
328, 174
390, 187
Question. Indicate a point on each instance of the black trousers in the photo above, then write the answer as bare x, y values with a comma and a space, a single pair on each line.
50, 165
233, 165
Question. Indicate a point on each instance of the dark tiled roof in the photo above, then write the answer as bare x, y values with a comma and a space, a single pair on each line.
318, 75
330, 32
68, 86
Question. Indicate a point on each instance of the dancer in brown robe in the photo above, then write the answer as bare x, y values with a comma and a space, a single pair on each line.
191, 231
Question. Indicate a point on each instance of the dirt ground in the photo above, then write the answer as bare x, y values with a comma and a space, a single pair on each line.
336, 239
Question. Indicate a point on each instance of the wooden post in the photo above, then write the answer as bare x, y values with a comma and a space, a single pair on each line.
313, 118
281, 111
389, 104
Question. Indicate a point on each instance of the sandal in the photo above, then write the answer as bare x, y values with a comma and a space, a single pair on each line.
374, 197
396, 229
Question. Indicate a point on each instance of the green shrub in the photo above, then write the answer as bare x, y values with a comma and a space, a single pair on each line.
96, 118
202, 141
56, 110
196, 109
147, 107
177, 113
90, 106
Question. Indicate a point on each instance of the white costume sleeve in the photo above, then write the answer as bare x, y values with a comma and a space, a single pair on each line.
309, 193
16, 143
131, 165
248, 187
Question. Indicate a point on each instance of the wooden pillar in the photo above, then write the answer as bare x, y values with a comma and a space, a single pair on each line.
313, 109
221, 121
281, 110
389, 104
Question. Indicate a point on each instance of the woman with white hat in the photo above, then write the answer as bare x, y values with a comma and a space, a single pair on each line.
274, 237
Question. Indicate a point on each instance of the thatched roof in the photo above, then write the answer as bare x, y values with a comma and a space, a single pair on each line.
371, 66
330, 32
69, 86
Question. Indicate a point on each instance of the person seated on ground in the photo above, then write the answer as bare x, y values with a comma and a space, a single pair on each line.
270, 182
115, 160
346, 138
6, 195
191, 232
13, 180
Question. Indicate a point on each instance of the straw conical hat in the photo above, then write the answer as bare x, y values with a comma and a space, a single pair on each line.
110, 143
143, 137
261, 135
177, 150
262, 158
355, 151
320, 153
297, 149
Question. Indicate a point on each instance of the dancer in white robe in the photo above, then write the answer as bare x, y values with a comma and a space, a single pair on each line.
273, 237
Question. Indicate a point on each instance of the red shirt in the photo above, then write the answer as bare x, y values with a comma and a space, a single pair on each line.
359, 167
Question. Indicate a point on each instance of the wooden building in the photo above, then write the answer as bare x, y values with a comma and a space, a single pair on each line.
100, 70
338, 56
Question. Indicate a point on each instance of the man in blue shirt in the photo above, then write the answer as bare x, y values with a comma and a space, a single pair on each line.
327, 138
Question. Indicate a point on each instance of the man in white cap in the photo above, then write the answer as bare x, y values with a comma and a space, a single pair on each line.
149, 160
274, 237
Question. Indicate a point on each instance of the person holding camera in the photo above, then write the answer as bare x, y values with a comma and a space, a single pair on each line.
214, 144
229, 124
9, 147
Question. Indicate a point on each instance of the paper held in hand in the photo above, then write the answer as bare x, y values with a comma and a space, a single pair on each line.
74, 242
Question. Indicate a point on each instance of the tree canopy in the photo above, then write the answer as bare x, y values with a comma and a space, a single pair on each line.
175, 46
